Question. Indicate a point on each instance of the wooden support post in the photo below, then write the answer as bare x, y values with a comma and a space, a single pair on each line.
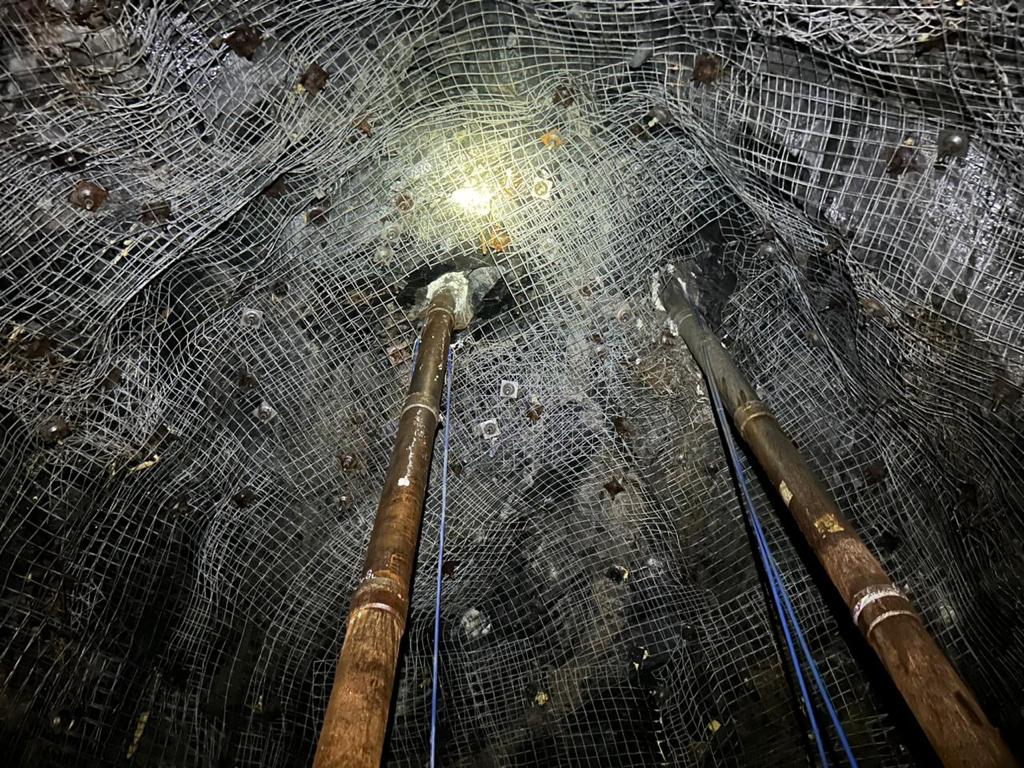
357, 713
940, 700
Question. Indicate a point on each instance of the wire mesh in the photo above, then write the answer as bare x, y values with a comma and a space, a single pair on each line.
215, 216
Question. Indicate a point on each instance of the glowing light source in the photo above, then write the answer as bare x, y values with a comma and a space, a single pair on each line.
475, 200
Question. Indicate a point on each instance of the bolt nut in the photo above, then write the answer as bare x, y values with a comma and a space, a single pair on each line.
385, 255
489, 429
952, 143
88, 195
541, 188
535, 411
265, 412
55, 429
399, 353
252, 318
404, 202
348, 461
313, 80
658, 114
509, 390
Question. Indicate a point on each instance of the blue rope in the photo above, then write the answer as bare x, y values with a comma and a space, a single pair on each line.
440, 554
781, 599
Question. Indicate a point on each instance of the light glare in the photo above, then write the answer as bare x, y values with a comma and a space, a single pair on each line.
475, 200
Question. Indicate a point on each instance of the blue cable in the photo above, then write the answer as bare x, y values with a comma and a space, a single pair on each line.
806, 652
780, 597
768, 562
440, 554
818, 681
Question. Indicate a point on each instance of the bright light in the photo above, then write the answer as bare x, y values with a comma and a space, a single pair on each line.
475, 200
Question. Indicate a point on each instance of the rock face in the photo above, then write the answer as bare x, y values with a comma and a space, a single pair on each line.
218, 224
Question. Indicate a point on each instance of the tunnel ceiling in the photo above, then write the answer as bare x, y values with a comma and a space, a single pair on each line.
216, 217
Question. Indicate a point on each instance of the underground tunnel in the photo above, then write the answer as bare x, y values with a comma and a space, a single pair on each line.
223, 222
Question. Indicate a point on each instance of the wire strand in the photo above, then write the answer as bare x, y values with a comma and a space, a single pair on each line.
440, 556
780, 596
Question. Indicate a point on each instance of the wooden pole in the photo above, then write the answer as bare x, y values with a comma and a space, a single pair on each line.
940, 700
357, 713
